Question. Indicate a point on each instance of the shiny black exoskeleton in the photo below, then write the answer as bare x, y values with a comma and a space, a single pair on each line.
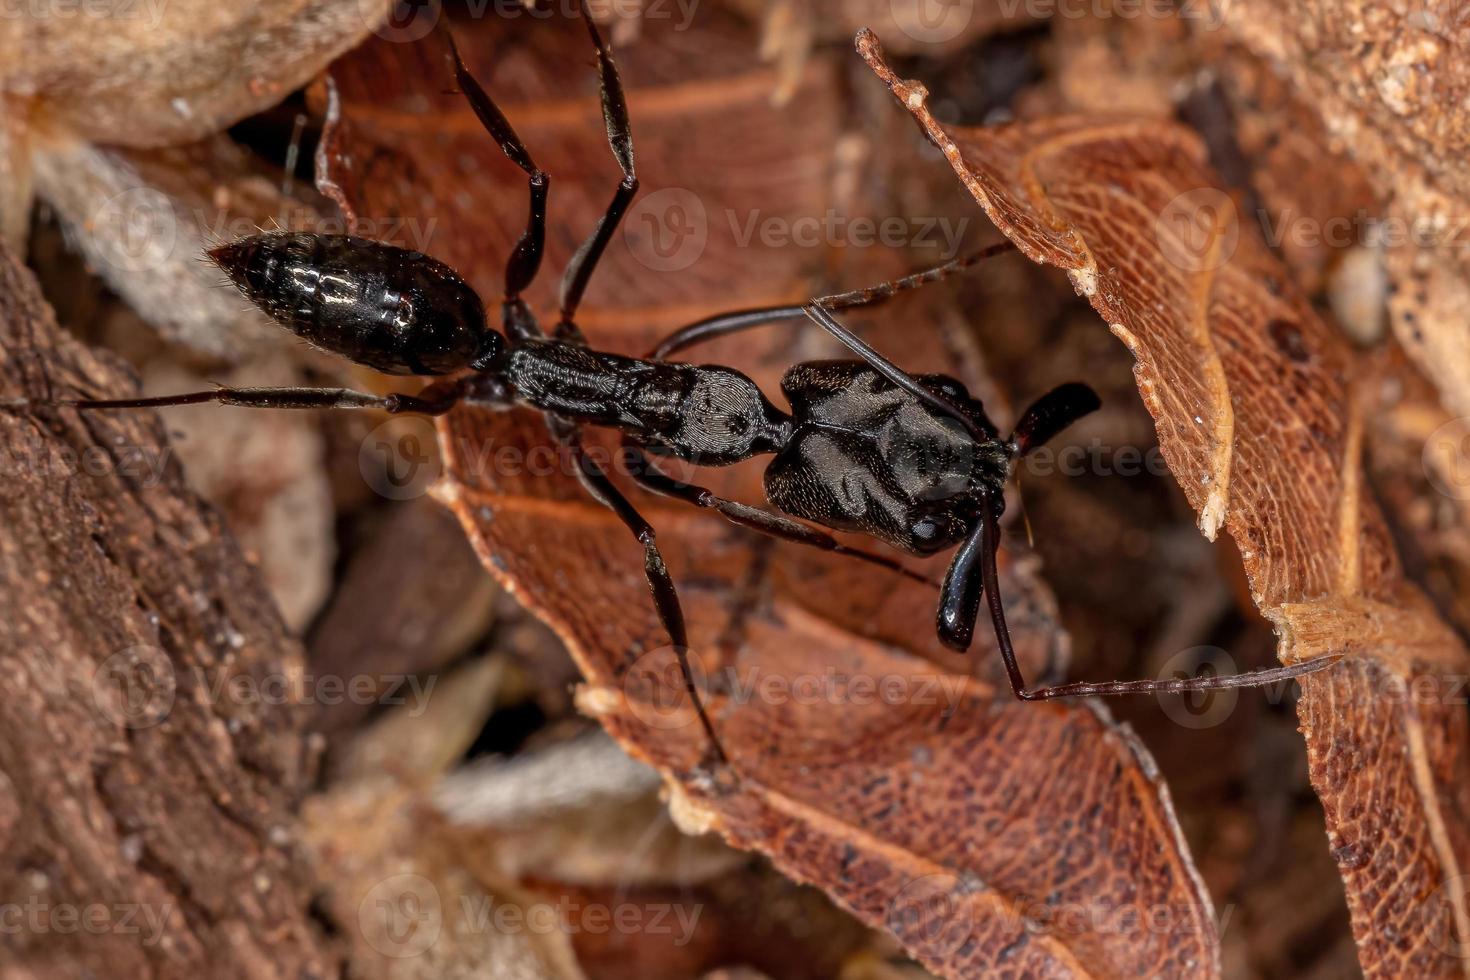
867, 456
865, 447
396, 311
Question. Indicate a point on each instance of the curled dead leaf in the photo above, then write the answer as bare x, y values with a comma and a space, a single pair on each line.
1259, 409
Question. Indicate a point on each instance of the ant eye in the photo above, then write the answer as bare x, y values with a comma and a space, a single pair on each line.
926, 530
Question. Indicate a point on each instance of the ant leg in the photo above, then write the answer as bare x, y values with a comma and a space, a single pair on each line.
434, 400
647, 474
660, 583
1051, 413
728, 323
525, 258
620, 138
990, 534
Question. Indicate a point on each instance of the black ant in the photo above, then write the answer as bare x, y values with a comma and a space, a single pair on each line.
912, 461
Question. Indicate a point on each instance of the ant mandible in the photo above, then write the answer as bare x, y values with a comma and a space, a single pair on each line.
912, 461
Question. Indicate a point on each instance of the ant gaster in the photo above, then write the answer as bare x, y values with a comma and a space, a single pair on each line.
866, 447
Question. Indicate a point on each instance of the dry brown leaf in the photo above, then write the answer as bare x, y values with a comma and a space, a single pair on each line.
1259, 412
949, 835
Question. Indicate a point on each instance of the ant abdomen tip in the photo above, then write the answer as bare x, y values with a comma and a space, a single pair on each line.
234, 257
